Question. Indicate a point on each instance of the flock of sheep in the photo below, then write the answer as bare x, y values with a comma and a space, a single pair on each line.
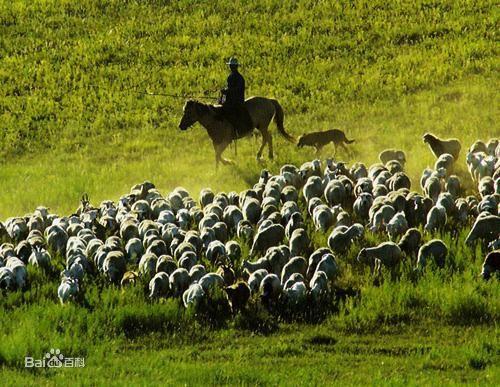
191, 249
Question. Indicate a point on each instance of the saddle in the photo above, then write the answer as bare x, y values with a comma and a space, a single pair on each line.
235, 117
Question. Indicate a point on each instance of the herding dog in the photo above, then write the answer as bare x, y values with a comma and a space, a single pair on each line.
320, 139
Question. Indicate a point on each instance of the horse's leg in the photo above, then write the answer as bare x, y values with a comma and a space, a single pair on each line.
221, 148
264, 141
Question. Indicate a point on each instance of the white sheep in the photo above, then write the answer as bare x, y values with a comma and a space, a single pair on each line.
193, 295
295, 265
232, 215
7, 278
196, 273
147, 265
159, 285
295, 222
392, 154
67, 290
233, 250
397, 226
313, 188
270, 236
166, 264
251, 210
435, 249
255, 279
297, 293
433, 187
453, 186
216, 250
410, 241
318, 285
381, 217
206, 197
179, 281
329, 266
485, 227
312, 204
387, 254
261, 263
187, 260
277, 257
211, 281
335, 193
270, 287
361, 206
299, 242
341, 237
40, 257
114, 266
445, 161
19, 270
322, 217
436, 218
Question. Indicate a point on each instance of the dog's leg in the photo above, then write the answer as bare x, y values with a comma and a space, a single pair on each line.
270, 145
347, 150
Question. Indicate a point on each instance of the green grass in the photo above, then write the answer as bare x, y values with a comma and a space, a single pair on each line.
385, 72
299, 354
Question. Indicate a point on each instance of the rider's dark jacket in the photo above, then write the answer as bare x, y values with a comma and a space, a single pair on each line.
235, 92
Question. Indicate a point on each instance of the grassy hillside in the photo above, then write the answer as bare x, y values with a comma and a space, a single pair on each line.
384, 72
73, 120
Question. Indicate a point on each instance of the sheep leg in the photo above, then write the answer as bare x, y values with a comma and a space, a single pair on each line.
378, 267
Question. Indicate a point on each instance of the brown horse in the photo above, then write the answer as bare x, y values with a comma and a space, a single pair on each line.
221, 132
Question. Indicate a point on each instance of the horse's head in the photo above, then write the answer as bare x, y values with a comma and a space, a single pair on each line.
190, 115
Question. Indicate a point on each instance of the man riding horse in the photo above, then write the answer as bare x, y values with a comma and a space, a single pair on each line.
237, 117
233, 101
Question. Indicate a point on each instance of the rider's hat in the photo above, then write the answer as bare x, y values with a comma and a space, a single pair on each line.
233, 61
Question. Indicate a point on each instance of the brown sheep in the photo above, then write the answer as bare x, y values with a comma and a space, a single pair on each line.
491, 265
238, 295
439, 147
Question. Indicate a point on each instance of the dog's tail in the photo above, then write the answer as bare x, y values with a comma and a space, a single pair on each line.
348, 141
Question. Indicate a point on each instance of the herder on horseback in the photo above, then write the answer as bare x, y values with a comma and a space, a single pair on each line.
233, 101
236, 117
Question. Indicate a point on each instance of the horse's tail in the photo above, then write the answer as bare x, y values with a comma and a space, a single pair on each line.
278, 119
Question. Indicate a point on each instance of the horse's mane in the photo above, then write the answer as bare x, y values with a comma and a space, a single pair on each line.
201, 107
